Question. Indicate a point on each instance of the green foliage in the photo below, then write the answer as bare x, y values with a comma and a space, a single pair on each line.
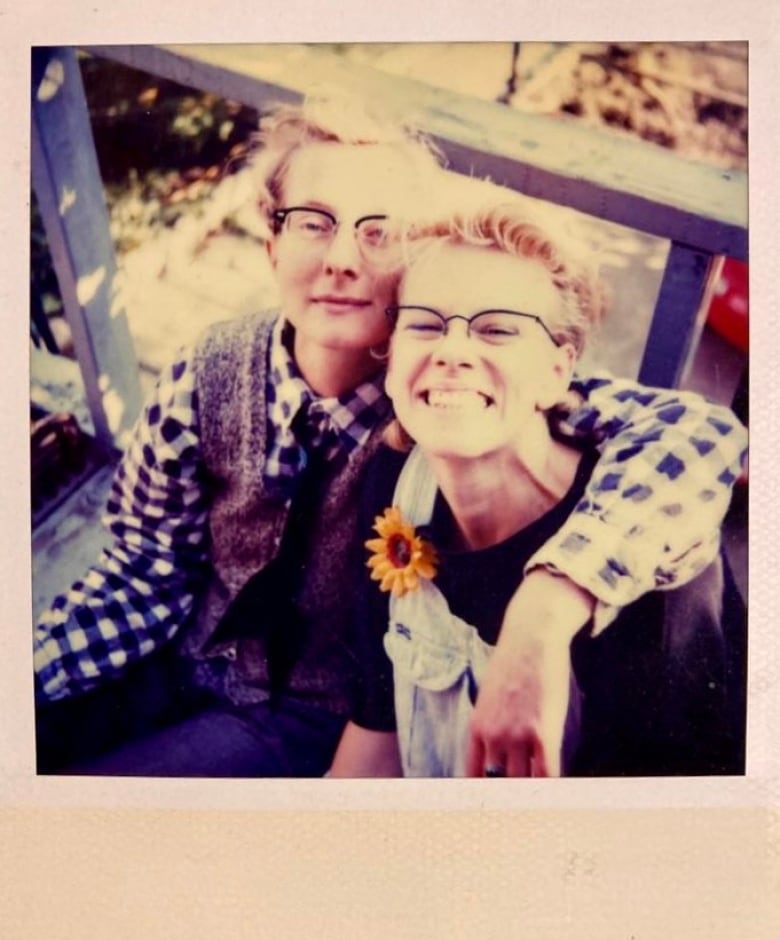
160, 148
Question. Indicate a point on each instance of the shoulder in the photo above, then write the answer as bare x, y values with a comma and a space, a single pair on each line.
230, 368
233, 339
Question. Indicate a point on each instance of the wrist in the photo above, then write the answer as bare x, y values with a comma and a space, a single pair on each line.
548, 607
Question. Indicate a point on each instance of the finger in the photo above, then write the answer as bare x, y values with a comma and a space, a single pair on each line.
546, 759
539, 766
518, 763
547, 755
552, 760
495, 761
475, 757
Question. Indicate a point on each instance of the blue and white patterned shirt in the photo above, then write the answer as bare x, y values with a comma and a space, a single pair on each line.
650, 516
335, 425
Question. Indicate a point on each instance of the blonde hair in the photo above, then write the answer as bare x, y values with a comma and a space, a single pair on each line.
330, 116
517, 229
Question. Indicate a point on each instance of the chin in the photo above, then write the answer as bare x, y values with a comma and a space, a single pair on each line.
455, 449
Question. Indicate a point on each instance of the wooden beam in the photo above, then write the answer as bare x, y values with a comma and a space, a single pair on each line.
629, 182
68, 186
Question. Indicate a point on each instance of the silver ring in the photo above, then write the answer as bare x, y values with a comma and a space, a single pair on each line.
495, 770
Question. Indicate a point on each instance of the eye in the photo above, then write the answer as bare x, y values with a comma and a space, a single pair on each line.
310, 224
423, 328
420, 323
314, 225
491, 329
375, 233
495, 328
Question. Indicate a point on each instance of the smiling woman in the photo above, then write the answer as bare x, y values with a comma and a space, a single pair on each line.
335, 274
461, 387
492, 315
233, 515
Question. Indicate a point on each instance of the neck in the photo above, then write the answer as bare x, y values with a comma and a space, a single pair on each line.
499, 494
331, 372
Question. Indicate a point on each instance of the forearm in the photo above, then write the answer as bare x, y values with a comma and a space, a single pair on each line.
521, 706
651, 514
546, 608
141, 589
649, 518
97, 628
365, 753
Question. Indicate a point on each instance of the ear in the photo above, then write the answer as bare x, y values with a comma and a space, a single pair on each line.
270, 247
552, 389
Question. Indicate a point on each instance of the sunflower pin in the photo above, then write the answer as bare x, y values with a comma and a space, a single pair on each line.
400, 556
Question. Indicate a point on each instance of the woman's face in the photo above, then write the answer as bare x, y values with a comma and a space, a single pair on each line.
463, 395
331, 294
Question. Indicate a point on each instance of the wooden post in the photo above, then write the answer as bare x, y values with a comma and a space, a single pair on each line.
68, 186
676, 326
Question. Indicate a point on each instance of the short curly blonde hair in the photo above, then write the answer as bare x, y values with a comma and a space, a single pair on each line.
521, 229
330, 116
518, 228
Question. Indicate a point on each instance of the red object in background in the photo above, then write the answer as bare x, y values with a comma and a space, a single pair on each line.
728, 313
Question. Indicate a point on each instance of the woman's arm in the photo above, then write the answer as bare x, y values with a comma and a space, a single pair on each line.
650, 518
365, 753
519, 715
141, 589
651, 514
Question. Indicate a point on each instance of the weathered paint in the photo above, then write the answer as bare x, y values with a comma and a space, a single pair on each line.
70, 195
620, 180
677, 319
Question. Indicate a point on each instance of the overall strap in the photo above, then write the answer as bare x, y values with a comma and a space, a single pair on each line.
415, 491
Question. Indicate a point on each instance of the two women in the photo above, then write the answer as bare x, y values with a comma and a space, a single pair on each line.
174, 655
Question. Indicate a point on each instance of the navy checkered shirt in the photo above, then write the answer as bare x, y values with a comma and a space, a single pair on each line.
650, 517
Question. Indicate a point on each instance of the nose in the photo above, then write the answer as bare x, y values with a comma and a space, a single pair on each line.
455, 347
342, 255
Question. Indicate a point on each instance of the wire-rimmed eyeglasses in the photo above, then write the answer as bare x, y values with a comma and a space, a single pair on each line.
497, 327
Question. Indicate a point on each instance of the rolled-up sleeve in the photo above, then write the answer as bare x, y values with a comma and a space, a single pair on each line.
651, 515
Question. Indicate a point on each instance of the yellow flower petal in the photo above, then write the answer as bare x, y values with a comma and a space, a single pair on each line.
388, 582
425, 569
399, 556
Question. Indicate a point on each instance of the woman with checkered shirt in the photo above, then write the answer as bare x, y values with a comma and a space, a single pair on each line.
174, 655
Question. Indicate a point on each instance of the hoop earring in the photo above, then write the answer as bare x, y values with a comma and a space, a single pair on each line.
382, 354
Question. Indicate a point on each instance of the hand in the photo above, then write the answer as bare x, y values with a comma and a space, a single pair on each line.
520, 712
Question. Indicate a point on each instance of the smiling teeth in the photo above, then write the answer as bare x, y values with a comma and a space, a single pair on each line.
455, 398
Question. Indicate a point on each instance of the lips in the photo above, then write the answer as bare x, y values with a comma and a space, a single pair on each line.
334, 300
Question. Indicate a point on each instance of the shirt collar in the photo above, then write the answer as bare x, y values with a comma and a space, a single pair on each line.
351, 416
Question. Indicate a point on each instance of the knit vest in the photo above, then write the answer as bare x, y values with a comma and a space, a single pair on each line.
246, 525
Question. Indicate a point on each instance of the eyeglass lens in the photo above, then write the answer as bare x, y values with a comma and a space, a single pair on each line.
491, 326
374, 233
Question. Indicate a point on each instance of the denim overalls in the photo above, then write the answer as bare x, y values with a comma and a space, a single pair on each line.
437, 658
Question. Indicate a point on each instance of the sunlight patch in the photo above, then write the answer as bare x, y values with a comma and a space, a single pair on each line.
51, 81
88, 285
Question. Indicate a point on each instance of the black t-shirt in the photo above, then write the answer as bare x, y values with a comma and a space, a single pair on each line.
478, 585
654, 685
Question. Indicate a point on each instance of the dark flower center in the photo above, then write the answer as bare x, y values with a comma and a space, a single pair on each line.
399, 550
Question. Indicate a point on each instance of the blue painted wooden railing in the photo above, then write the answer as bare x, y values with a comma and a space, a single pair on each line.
702, 210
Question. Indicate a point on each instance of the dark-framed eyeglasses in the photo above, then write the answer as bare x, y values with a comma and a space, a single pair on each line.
376, 235
497, 327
